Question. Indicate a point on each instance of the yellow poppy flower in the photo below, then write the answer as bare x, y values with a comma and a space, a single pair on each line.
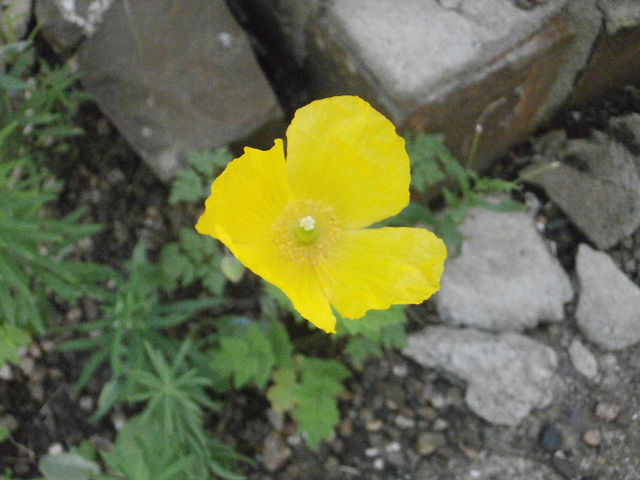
299, 222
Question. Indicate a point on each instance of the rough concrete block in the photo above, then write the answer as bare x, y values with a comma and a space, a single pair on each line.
445, 67
508, 375
504, 278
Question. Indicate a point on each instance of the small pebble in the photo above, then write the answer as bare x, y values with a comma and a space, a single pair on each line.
374, 425
393, 447
592, 437
345, 428
295, 440
378, 464
583, 360
6, 373
274, 452
550, 438
74, 314
118, 421
9, 422
400, 370
440, 425
55, 449
428, 442
372, 452
276, 419
404, 422
428, 414
86, 403
607, 411
27, 365
37, 391
34, 350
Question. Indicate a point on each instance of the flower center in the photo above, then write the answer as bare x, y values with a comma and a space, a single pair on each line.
305, 231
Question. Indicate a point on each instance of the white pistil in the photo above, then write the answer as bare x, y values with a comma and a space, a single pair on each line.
308, 223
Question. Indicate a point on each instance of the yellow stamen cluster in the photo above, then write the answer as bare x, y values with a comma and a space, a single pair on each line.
306, 231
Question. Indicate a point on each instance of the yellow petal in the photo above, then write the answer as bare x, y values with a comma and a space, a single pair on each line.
297, 280
377, 268
344, 153
247, 198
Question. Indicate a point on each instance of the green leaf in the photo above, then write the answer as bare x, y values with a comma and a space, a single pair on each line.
187, 187
247, 357
361, 348
4, 433
280, 344
283, 394
317, 415
423, 152
68, 466
505, 205
372, 324
142, 451
11, 83
207, 163
486, 184
11, 340
110, 394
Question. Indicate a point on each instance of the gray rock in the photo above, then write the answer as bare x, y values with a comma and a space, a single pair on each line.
176, 77
508, 375
597, 184
505, 278
497, 467
608, 310
446, 66
64, 24
583, 360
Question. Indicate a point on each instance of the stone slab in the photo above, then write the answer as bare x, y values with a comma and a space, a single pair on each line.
596, 183
504, 278
445, 67
176, 77
507, 375
608, 310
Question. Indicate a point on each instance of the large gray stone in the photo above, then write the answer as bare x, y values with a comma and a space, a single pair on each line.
504, 278
448, 66
176, 77
508, 375
596, 183
608, 310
